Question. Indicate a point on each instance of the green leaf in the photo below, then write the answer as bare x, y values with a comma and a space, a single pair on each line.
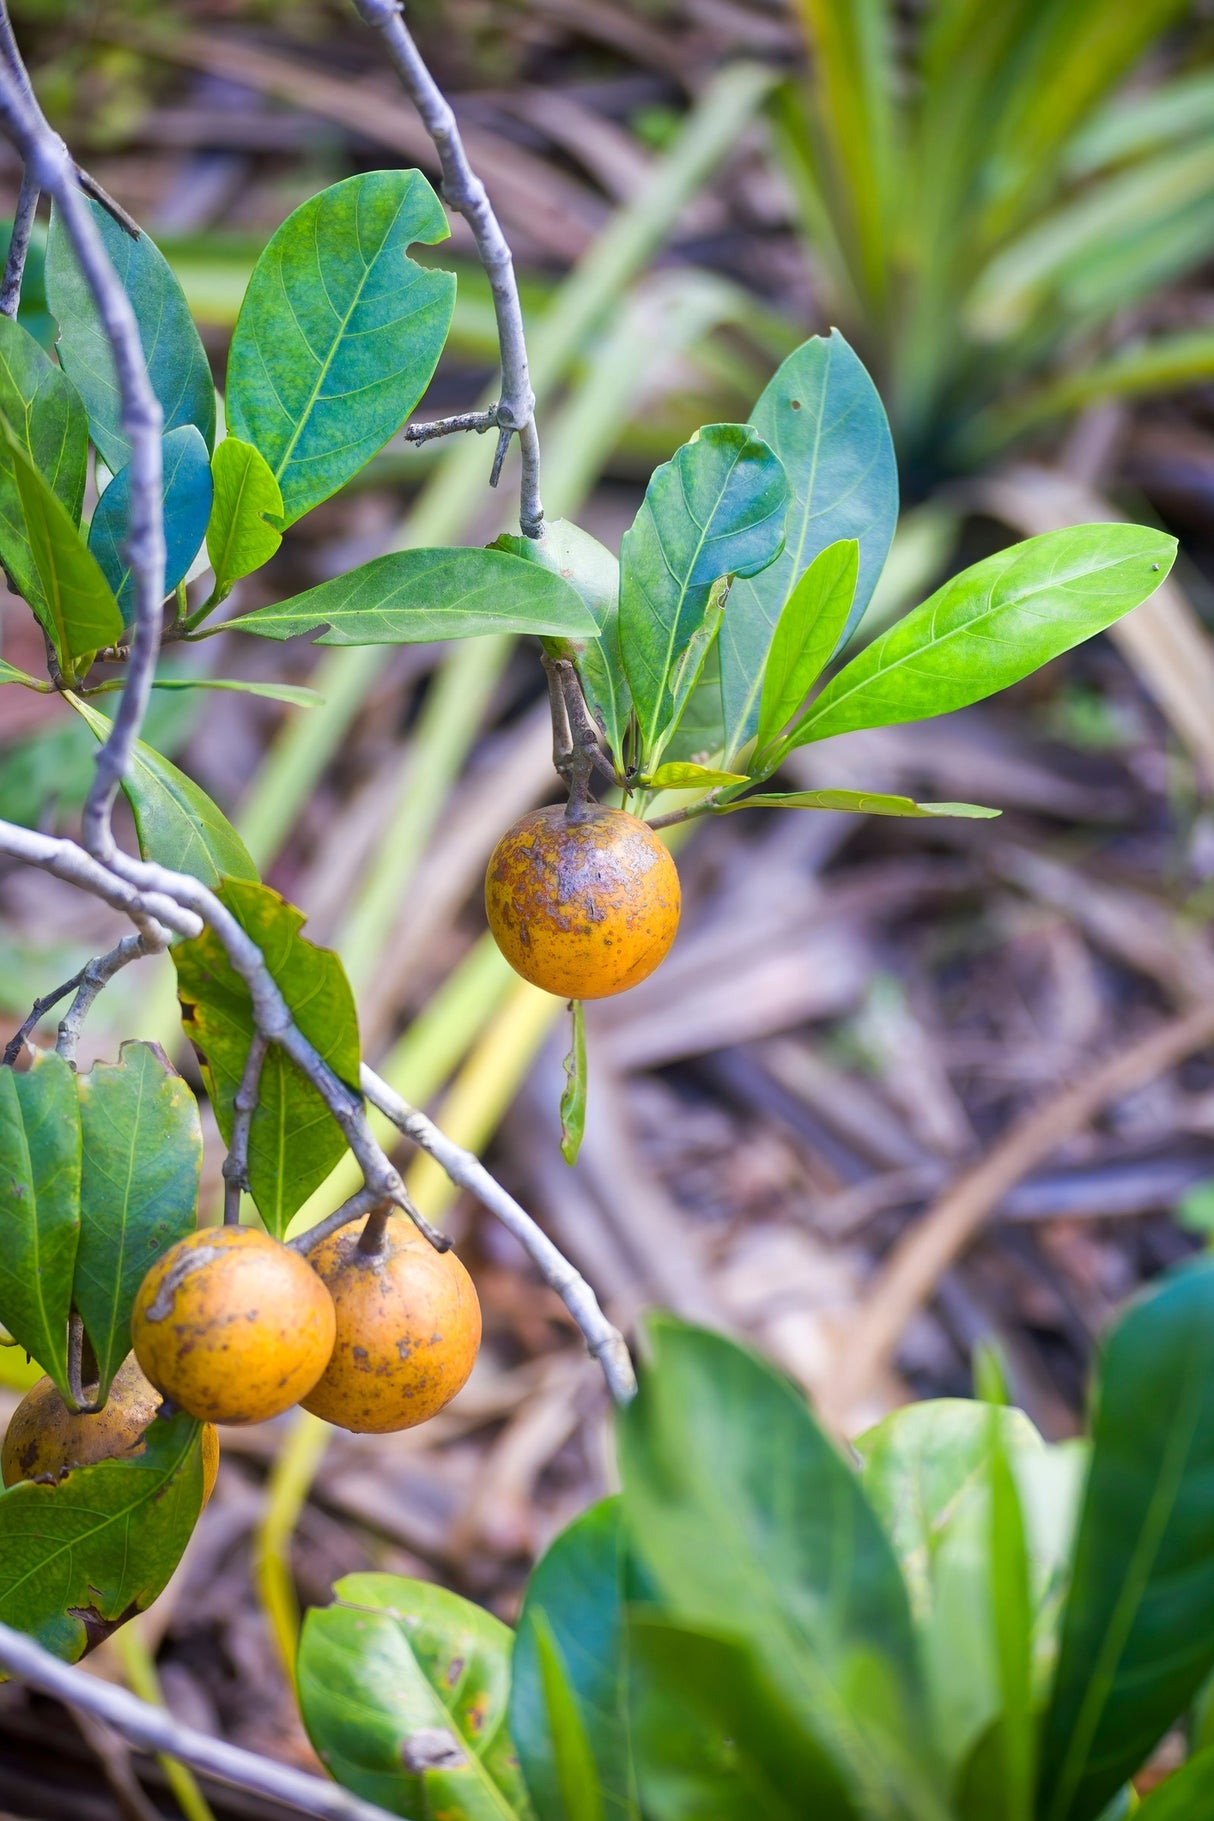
577, 1776
142, 1156
10, 674
177, 824
79, 1557
1138, 1630
682, 775
339, 332
992, 625
855, 802
294, 1141
1012, 1599
573, 1097
751, 1526
822, 416
177, 363
297, 694
243, 532
40, 1196
1186, 1795
717, 509
412, 596
387, 1667
72, 602
807, 632
187, 506
577, 1593
716, 1735
45, 413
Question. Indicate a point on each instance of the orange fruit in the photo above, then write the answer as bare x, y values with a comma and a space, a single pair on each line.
582, 906
232, 1325
45, 1439
408, 1329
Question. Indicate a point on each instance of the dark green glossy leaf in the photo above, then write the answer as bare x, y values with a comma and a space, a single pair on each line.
992, 625
856, 802
807, 632
177, 362
573, 1097
388, 1666
578, 1588
294, 1141
247, 507
716, 1736
581, 1797
339, 332
412, 596
73, 602
1138, 1631
177, 823
822, 416
1187, 1795
79, 1557
187, 506
751, 1526
43, 409
40, 1207
716, 509
142, 1156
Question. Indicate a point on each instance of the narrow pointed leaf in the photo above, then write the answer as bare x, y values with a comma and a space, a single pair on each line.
823, 417
73, 601
414, 596
142, 1155
247, 506
298, 694
187, 506
573, 1097
10, 674
854, 802
388, 1666
992, 625
807, 632
339, 332
177, 362
716, 509
682, 775
177, 824
44, 411
294, 1141
40, 1151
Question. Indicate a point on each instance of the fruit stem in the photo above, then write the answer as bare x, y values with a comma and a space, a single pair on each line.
373, 1237
576, 752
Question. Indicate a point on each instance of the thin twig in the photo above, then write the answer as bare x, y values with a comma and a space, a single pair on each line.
464, 192
154, 1729
236, 1163
115, 210
364, 1202
19, 244
604, 1341
915, 1266
97, 974
480, 421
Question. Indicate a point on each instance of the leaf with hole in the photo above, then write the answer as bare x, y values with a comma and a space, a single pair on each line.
717, 509
40, 1149
141, 1159
177, 824
413, 596
339, 332
177, 362
294, 1140
187, 506
822, 416
992, 625
80, 1557
403, 1689
243, 532
45, 413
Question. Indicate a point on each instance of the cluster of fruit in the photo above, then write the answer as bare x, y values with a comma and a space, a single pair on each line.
232, 1326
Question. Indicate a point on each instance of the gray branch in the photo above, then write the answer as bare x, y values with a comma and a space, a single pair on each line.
152, 1729
605, 1342
86, 985
19, 244
236, 1163
464, 192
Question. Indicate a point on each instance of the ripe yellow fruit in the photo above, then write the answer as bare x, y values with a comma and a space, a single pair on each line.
585, 906
408, 1329
232, 1325
45, 1439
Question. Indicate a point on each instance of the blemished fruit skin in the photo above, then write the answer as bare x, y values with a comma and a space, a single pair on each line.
45, 1439
233, 1326
584, 906
408, 1330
